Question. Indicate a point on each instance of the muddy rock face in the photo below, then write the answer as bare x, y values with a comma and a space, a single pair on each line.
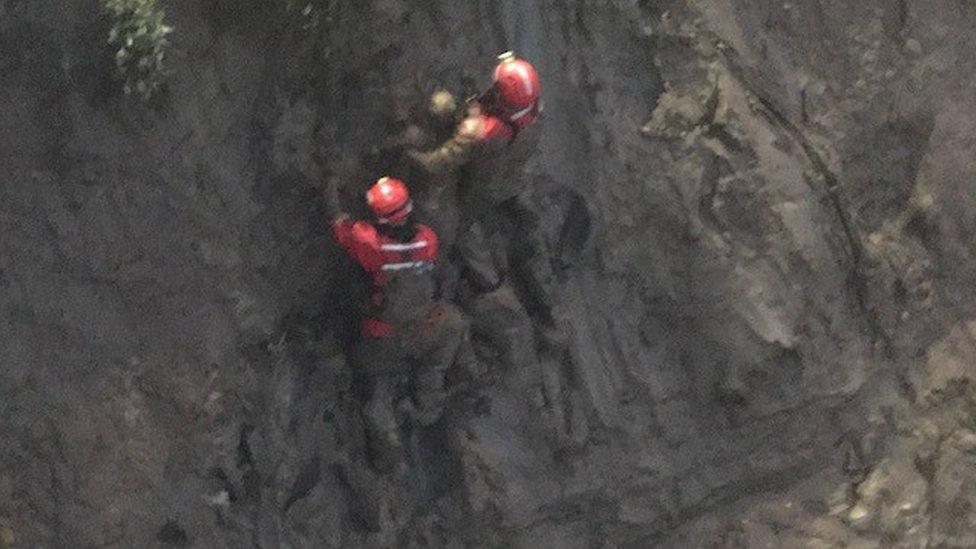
760, 215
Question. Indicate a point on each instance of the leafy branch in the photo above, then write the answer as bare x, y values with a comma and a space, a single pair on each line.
139, 33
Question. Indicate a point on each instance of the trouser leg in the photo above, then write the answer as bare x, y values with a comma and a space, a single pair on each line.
479, 264
440, 347
385, 442
466, 365
368, 495
379, 360
531, 264
529, 257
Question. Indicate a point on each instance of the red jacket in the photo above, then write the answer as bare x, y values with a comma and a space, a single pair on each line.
499, 154
384, 258
499, 130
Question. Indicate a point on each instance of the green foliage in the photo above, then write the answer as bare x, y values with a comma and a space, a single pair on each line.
140, 36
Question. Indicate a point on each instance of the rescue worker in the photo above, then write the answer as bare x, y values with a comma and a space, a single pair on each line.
487, 156
493, 139
405, 333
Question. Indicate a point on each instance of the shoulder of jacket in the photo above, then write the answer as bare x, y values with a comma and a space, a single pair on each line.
424, 232
497, 130
364, 231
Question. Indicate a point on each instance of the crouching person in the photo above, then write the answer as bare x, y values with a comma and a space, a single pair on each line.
406, 333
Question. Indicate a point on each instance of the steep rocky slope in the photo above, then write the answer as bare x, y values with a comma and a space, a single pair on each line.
761, 212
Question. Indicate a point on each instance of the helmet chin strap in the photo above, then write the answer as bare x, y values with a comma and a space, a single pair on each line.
521, 113
404, 212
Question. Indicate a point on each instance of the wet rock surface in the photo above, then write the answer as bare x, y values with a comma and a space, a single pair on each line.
760, 216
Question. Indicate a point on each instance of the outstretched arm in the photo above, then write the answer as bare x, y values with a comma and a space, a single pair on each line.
455, 152
357, 238
333, 206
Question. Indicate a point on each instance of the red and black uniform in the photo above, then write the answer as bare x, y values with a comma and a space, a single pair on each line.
400, 269
406, 333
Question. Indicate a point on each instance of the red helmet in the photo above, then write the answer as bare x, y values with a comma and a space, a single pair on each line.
390, 200
517, 82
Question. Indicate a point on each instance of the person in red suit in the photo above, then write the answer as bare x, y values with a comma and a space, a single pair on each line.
486, 158
406, 335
